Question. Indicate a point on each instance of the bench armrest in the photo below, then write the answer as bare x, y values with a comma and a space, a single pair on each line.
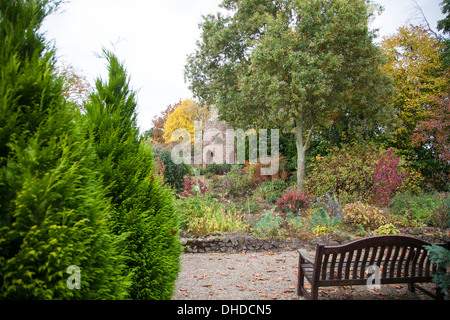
305, 256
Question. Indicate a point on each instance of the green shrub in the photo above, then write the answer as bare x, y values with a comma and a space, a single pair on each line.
362, 215
250, 205
173, 173
282, 227
243, 179
440, 217
387, 229
269, 225
348, 173
142, 207
323, 219
53, 211
217, 169
441, 258
234, 181
432, 209
271, 190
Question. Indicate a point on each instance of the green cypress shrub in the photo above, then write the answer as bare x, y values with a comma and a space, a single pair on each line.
51, 202
173, 173
144, 209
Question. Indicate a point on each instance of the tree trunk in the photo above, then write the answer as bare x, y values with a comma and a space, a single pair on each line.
301, 159
302, 147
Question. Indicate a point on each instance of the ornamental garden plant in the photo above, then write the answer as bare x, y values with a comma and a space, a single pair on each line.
363, 147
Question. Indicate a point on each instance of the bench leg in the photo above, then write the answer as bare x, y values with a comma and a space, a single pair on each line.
439, 294
300, 286
314, 293
301, 279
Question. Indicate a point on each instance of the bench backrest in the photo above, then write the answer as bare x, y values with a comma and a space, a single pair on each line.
397, 257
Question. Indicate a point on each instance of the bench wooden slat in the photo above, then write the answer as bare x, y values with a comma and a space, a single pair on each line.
364, 261
332, 265
380, 255
348, 264
356, 263
408, 260
308, 269
401, 259
358, 272
373, 255
324, 267
341, 265
421, 262
417, 254
387, 259
394, 260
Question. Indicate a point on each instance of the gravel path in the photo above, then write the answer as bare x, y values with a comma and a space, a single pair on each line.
245, 276
263, 276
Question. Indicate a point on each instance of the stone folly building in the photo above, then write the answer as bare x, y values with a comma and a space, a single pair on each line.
215, 148
218, 146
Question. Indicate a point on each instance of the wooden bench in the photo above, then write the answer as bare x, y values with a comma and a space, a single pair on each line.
400, 259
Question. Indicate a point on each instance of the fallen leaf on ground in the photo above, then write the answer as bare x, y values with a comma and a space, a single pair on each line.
288, 293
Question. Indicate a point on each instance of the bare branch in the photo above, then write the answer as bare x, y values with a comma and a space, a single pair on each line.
424, 19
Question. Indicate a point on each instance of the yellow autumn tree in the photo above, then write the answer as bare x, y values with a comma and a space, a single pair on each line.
184, 117
413, 62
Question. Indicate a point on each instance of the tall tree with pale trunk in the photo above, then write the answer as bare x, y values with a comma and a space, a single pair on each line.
302, 65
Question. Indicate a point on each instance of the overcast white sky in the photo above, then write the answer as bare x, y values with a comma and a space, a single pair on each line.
154, 37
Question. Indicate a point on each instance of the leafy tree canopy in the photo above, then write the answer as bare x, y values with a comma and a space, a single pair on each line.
302, 65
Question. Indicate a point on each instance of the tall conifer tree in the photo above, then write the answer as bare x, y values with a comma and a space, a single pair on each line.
51, 202
143, 207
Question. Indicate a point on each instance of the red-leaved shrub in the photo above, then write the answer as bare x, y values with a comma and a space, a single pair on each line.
253, 175
294, 201
193, 186
387, 178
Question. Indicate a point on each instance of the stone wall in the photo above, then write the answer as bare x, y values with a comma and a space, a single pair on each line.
238, 244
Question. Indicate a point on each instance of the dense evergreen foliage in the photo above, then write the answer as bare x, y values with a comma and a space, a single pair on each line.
143, 208
51, 202
77, 191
